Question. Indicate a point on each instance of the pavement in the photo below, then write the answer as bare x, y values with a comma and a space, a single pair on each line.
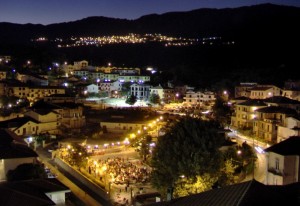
120, 195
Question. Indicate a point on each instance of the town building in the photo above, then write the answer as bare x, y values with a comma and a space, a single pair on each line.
194, 99
166, 94
86, 89
264, 91
283, 162
140, 91
32, 79
32, 93
22, 126
48, 120
243, 90
244, 113
70, 114
267, 119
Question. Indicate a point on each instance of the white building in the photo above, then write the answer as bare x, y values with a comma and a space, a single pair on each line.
110, 86
141, 91
166, 94
282, 161
198, 98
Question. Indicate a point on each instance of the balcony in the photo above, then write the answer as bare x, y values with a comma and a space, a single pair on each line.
275, 171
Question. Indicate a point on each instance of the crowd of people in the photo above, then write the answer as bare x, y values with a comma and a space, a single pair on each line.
120, 171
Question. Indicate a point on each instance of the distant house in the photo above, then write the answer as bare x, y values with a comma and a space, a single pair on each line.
243, 194
264, 91
199, 98
110, 87
121, 125
13, 152
134, 78
33, 192
85, 89
292, 90
283, 162
32, 93
60, 98
49, 121
70, 114
243, 90
22, 126
166, 94
32, 79
84, 73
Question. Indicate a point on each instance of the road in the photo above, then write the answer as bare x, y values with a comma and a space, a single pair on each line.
260, 169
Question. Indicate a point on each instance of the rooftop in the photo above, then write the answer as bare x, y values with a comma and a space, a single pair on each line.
253, 102
290, 146
243, 194
281, 100
30, 192
275, 109
12, 146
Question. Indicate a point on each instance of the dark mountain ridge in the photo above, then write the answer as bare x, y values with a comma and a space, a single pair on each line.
266, 38
255, 20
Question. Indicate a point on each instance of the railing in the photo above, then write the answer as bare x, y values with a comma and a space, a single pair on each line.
275, 171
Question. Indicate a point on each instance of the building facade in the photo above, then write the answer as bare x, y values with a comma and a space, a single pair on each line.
282, 161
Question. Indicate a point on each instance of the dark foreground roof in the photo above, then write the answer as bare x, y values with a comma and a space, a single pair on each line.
243, 194
30, 192
12, 146
290, 146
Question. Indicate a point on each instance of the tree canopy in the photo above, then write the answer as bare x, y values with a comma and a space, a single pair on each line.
154, 98
221, 111
189, 148
26, 171
131, 100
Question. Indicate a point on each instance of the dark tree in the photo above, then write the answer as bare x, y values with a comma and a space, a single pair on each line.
189, 148
131, 100
78, 155
221, 111
154, 98
26, 171
145, 147
248, 156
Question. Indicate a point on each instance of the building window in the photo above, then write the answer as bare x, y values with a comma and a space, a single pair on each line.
277, 164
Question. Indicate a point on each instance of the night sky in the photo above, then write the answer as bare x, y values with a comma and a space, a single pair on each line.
57, 11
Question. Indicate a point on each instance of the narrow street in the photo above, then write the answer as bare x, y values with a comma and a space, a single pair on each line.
84, 195
260, 169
